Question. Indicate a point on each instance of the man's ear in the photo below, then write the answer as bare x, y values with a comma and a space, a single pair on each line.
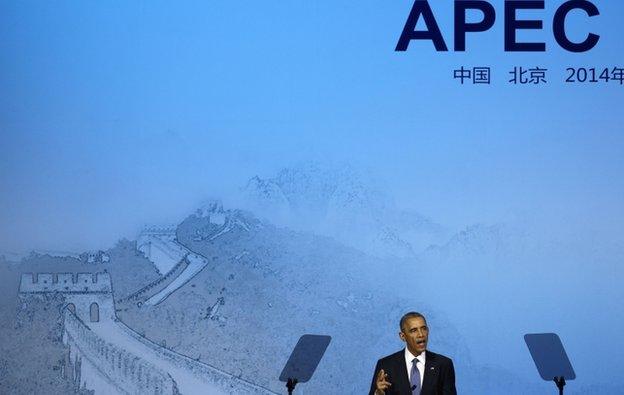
402, 336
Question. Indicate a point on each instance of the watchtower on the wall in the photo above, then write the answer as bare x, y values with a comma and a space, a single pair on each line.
89, 295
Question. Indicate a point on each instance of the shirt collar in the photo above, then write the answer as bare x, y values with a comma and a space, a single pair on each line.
409, 357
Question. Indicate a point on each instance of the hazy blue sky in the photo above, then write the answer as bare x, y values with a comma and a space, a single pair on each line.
115, 114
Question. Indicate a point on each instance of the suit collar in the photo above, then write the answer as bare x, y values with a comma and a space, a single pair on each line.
401, 381
431, 366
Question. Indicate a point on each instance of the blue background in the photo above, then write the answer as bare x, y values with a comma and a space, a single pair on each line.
117, 114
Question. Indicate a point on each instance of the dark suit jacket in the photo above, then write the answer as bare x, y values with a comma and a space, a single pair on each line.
439, 376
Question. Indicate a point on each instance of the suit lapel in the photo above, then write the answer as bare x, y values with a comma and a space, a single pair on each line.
402, 381
431, 367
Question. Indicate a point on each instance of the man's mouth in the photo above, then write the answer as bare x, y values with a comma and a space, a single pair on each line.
420, 342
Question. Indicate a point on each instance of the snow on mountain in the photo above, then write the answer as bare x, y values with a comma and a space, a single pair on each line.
342, 203
478, 240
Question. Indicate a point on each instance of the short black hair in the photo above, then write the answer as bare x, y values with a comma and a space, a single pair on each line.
411, 314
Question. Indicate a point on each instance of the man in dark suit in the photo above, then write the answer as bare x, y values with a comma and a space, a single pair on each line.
414, 370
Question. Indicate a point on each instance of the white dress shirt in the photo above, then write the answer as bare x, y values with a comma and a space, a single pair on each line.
420, 364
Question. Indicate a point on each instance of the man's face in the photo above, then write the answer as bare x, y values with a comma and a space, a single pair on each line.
416, 334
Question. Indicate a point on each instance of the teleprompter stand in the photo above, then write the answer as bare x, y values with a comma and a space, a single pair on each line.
550, 358
303, 360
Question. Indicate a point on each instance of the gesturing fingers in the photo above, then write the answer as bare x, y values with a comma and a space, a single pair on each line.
381, 375
382, 380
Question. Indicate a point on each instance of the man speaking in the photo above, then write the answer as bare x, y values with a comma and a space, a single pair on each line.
414, 370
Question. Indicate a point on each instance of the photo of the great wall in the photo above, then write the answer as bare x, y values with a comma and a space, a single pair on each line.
100, 353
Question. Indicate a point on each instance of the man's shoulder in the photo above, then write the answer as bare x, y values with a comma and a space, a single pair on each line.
393, 357
439, 358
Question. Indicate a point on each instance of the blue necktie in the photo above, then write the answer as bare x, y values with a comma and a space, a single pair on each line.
415, 378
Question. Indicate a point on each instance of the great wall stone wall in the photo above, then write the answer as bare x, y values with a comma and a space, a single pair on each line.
156, 286
65, 283
89, 295
107, 356
176, 262
196, 263
128, 373
224, 380
159, 245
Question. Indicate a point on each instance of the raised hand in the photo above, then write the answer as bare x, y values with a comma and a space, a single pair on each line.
382, 383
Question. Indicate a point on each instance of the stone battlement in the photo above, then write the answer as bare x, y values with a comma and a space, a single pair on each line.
65, 283
155, 230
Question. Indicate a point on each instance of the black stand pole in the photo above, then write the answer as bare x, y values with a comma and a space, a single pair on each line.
560, 381
290, 384
303, 360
